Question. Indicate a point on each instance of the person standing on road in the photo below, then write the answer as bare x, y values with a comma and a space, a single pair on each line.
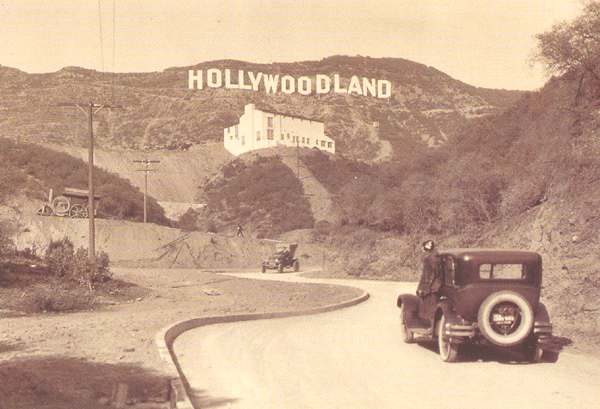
240, 231
430, 281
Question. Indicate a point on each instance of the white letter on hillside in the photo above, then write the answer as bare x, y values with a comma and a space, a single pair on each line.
255, 80
336, 85
304, 86
195, 78
323, 84
271, 82
354, 86
370, 86
241, 79
228, 83
213, 78
288, 84
384, 89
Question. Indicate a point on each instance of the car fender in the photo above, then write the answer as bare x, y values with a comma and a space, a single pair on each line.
409, 302
445, 308
541, 314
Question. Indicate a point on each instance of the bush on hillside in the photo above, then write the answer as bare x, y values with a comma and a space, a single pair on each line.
264, 194
66, 263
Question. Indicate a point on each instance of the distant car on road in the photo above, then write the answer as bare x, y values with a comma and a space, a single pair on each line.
283, 257
480, 296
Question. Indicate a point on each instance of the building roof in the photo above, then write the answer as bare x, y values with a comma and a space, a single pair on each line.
274, 112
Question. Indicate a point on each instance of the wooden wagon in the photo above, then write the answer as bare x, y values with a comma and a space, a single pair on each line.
72, 203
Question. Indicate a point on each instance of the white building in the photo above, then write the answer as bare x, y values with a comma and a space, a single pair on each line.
258, 129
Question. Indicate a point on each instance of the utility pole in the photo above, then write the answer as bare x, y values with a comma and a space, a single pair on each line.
297, 157
91, 110
146, 170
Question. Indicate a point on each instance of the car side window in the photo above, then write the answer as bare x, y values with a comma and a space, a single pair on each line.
485, 271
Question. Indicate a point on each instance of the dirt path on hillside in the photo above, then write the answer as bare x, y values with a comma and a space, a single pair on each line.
75, 360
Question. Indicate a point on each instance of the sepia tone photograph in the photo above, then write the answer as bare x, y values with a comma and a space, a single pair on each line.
313, 204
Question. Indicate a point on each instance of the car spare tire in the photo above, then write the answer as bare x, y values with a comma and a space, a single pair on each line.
505, 318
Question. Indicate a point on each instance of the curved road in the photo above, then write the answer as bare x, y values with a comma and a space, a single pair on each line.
354, 359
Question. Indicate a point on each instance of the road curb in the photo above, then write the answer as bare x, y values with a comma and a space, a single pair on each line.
179, 386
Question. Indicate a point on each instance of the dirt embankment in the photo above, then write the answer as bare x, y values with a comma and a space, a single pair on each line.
76, 360
175, 179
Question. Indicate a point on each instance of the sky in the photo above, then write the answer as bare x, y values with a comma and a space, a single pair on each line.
485, 43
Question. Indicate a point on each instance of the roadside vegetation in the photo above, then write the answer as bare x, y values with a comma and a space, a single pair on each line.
264, 196
33, 170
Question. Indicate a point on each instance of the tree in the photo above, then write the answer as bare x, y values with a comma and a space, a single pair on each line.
573, 46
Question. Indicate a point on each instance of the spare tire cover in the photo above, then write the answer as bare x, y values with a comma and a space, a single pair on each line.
505, 318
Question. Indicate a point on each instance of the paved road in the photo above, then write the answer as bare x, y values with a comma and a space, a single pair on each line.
354, 359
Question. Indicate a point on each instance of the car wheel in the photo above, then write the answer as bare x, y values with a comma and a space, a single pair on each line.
448, 351
505, 318
296, 266
407, 335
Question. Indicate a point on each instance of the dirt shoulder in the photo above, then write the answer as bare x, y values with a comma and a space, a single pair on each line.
75, 360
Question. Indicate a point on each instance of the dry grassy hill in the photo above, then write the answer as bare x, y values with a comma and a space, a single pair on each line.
161, 113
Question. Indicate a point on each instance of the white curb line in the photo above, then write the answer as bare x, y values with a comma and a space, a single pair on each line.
164, 340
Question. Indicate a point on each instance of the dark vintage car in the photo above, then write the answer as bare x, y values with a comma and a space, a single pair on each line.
283, 257
481, 296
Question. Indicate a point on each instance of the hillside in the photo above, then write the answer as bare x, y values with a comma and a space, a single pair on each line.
29, 171
427, 106
174, 180
526, 178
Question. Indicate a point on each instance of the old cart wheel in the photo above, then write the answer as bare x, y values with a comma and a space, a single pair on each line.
45, 210
296, 265
78, 211
61, 205
448, 351
505, 318
407, 335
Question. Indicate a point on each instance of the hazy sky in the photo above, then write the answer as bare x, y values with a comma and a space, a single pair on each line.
481, 42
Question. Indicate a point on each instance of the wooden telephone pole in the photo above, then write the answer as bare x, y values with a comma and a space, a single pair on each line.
89, 112
146, 170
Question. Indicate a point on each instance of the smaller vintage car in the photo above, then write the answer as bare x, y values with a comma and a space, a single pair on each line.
284, 257
479, 296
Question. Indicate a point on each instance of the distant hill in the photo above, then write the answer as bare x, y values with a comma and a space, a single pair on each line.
427, 106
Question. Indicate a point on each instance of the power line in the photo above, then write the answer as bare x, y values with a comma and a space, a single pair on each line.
146, 171
101, 39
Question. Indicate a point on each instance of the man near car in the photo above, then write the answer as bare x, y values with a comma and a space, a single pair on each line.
430, 281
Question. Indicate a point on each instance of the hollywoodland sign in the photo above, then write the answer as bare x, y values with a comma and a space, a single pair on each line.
287, 84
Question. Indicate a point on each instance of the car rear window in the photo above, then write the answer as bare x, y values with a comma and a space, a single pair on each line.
502, 271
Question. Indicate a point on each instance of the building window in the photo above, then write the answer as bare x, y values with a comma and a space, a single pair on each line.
282, 137
303, 139
258, 135
236, 132
322, 144
307, 141
329, 144
269, 122
317, 142
270, 134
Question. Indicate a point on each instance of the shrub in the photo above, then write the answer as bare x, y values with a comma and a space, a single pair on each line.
59, 257
66, 263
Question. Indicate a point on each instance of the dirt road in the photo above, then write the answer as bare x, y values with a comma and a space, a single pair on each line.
354, 359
